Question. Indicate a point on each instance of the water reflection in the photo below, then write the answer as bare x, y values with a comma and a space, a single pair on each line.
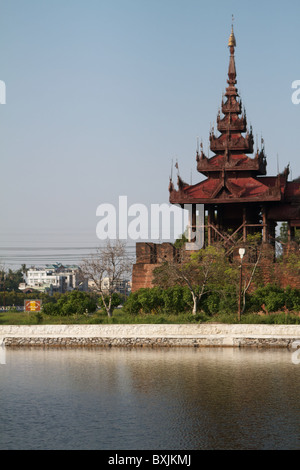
149, 399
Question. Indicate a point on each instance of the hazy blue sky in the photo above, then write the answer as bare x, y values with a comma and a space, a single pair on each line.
103, 94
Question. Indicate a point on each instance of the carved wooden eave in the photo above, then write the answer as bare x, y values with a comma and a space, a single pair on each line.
237, 124
211, 191
181, 184
235, 163
236, 143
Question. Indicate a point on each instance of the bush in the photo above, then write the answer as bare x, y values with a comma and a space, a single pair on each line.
132, 304
50, 308
71, 303
116, 300
272, 298
176, 299
145, 300
151, 300
292, 299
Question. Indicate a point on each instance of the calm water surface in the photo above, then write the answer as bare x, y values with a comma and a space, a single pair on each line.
181, 399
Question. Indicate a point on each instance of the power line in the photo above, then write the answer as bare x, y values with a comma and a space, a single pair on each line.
31, 255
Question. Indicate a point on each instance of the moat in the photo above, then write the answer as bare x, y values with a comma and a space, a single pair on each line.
149, 399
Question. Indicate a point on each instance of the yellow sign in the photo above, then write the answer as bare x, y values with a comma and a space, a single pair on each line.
33, 305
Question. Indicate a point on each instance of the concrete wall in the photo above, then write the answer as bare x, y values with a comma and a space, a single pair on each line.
151, 335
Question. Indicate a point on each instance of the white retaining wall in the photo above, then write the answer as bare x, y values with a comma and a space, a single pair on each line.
161, 330
151, 335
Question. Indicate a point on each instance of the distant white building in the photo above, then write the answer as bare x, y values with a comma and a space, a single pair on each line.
123, 286
54, 277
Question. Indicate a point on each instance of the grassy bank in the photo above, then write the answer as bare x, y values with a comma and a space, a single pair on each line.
122, 317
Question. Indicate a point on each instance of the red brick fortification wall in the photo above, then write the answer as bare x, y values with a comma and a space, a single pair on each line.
142, 275
150, 255
279, 274
283, 272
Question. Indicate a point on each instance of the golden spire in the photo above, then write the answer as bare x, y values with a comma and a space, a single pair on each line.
231, 69
231, 42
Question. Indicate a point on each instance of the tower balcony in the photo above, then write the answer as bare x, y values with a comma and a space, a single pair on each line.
231, 107
237, 125
239, 144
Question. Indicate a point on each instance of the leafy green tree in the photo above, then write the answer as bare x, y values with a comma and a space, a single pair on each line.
71, 303
283, 233
132, 304
150, 300
116, 300
201, 272
176, 299
272, 298
10, 280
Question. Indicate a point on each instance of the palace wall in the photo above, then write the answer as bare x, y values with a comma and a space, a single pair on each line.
150, 256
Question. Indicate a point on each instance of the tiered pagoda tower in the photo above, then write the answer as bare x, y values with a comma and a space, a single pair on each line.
238, 197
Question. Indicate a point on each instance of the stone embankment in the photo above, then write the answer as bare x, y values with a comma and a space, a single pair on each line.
189, 335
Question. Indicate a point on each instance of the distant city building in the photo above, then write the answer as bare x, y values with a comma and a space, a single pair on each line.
122, 287
53, 278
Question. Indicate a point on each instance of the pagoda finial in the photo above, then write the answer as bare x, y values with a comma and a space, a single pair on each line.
232, 70
232, 42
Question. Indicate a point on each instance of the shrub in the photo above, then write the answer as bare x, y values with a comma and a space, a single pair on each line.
151, 300
292, 298
274, 298
132, 304
71, 303
50, 308
157, 300
116, 300
176, 299
270, 297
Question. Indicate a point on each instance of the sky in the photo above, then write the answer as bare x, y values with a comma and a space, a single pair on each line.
103, 96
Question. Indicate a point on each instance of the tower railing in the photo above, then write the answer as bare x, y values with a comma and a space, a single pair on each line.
214, 233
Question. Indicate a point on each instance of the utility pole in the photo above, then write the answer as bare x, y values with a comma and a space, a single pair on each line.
241, 253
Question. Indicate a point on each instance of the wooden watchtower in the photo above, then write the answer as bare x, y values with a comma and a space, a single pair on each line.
238, 198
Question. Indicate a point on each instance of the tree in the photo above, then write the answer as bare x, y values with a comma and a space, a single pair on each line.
10, 280
202, 272
283, 238
106, 269
283, 233
254, 249
70, 303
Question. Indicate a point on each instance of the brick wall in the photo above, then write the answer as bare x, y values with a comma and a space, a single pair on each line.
142, 275
150, 255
